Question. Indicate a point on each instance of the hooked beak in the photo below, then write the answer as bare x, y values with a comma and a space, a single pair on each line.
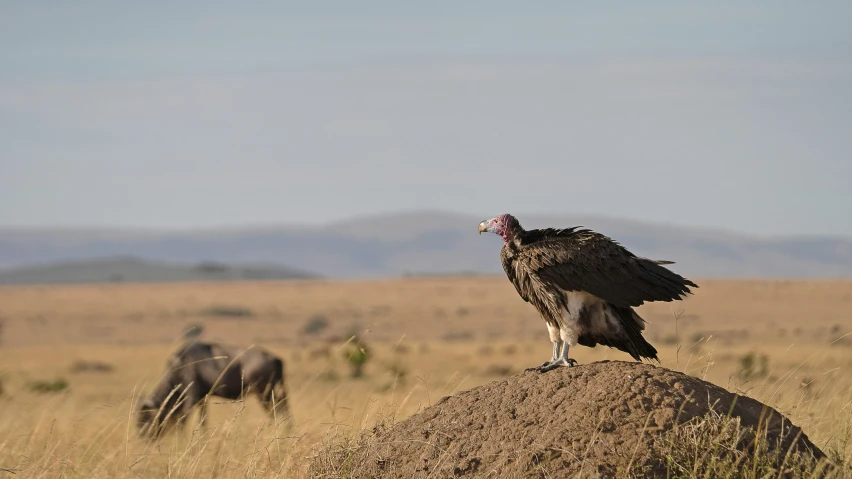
483, 227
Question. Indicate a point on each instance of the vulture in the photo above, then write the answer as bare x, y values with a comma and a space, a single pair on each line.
585, 286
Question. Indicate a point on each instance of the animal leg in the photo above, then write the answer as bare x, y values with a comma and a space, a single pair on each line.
278, 388
265, 397
282, 409
562, 361
553, 330
192, 399
569, 338
273, 400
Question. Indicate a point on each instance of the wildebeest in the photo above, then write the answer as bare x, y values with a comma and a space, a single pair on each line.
199, 369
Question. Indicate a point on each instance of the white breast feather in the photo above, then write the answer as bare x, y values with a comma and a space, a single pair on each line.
602, 319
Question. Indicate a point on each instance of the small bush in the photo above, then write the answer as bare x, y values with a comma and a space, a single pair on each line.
228, 311
398, 371
315, 325
752, 367
456, 335
356, 355
357, 359
91, 367
54, 386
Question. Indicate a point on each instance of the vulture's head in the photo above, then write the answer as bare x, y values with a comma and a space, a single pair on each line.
504, 226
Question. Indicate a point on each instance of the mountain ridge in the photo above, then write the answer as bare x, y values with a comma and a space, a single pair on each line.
428, 242
121, 269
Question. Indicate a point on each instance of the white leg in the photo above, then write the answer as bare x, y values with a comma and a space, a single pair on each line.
553, 331
569, 338
568, 335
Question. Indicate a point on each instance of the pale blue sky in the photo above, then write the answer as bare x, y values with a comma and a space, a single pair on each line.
731, 115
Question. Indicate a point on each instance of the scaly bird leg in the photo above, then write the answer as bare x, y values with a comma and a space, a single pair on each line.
556, 345
563, 361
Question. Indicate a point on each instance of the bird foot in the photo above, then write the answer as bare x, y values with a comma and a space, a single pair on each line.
561, 362
539, 367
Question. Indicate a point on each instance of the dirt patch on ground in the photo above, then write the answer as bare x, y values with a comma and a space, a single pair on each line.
595, 420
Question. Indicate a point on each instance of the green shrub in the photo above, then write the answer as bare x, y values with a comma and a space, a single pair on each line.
356, 355
228, 311
54, 386
315, 324
752, 366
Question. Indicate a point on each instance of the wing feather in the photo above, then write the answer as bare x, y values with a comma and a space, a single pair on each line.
514, 278
582, 260
545, 298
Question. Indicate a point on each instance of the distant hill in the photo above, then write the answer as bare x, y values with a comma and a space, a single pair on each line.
116, 270
429, 242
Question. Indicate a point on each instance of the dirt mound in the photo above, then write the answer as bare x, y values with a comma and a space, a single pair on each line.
594, 420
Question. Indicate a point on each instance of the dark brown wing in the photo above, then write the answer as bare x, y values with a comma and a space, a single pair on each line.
506, 258
546, 299
582, 260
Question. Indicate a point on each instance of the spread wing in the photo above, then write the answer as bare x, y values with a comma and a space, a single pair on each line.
582, 260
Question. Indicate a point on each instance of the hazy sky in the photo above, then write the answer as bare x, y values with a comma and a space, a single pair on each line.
729, 115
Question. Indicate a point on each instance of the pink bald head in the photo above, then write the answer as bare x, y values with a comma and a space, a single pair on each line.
503, 225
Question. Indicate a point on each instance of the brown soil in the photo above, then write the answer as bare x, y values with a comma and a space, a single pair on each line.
594, 420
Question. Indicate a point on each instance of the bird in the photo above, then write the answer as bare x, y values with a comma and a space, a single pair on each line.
585, 286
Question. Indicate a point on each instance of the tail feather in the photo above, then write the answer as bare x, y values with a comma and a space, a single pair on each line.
664, 282
656, 261
629, 339
635, 344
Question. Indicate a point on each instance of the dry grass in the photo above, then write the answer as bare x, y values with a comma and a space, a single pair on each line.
719, 446
429, 338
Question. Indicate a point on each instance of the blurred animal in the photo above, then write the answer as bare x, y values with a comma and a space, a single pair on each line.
199, 369
584, 285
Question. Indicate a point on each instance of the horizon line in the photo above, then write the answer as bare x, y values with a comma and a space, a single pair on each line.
235, 228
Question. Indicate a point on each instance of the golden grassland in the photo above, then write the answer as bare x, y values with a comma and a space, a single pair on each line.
782, 342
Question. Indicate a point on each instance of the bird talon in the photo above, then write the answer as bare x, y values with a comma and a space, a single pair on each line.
561, 362
539, 367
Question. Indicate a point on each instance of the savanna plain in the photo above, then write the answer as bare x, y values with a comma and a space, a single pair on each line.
75, 361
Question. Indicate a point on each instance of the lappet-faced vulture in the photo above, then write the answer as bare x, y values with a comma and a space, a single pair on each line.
585, 286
